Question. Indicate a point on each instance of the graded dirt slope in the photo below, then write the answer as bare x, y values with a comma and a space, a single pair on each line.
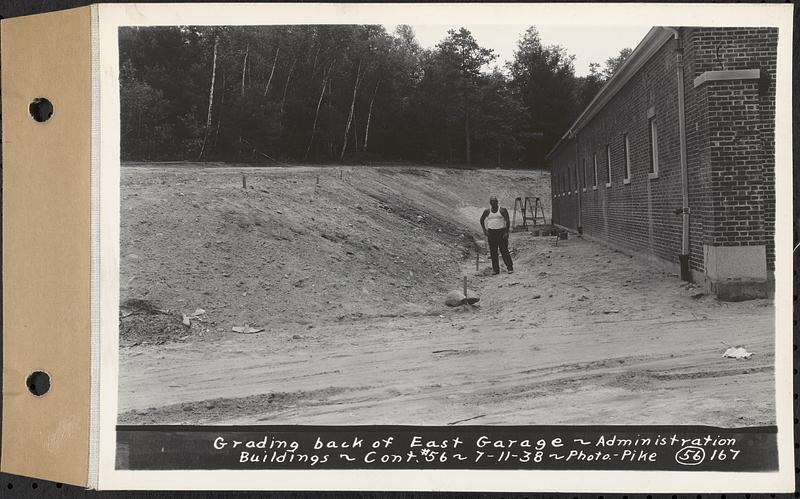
301, 245
579, 334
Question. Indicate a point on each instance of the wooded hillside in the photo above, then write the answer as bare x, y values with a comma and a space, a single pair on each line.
323, 93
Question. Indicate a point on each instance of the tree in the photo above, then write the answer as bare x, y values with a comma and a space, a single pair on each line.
614, 63
463, 58
588, 86
500, 121
145, 129
327, 92
544, 79
211, 96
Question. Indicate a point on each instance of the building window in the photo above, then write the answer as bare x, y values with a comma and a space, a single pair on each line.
653, 149
594, 180
557, 183
626, 153
608, 165
583, 175
569, 180
577, 178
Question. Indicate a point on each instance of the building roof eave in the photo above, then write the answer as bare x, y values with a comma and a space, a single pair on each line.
644, 51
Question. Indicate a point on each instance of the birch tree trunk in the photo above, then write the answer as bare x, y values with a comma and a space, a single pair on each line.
352, 109
210, 98
355, 133
221, 105
244, 65
316, 114
369, 115
271, 73
466, 138
314, 65
286, 85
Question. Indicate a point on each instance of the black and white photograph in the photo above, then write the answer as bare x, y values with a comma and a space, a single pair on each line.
448, 225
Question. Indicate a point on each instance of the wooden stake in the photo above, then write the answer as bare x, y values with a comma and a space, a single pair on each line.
244, 182
465, 286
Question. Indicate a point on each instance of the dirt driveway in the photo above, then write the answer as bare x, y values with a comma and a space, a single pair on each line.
579, 334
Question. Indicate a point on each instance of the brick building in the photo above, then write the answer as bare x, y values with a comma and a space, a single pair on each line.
674, 158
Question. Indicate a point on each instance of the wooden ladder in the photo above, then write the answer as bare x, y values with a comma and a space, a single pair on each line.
530, 208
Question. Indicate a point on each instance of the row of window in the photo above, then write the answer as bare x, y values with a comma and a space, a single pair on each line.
568, 180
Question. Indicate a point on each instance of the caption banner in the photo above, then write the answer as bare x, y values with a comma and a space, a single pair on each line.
679, 448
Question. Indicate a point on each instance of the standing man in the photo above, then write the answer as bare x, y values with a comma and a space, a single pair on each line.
499, 224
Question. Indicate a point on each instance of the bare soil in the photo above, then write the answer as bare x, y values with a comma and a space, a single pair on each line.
346, 270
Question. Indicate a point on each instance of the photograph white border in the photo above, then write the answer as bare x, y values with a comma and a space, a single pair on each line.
112, 16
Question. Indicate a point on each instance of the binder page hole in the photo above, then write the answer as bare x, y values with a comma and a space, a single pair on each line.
39, 383
41, 109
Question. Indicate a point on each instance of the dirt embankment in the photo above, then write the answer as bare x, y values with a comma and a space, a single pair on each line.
347, 275
297, 245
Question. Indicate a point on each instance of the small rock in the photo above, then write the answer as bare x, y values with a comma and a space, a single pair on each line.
456, 297
297, 337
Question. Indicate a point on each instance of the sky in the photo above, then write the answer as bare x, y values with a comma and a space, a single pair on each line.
587, 43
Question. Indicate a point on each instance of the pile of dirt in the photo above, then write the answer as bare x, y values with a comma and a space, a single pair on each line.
301, 245
142, 323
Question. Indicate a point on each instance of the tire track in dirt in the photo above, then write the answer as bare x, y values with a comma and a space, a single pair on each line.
579, 334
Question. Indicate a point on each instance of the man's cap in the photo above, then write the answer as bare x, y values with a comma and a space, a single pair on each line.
493, 198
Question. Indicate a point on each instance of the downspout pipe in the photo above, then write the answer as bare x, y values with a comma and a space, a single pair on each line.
684, 211
578, 184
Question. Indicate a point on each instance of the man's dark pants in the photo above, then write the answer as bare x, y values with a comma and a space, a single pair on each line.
496, 240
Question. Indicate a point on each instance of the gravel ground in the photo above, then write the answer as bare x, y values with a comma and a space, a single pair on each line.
346, 269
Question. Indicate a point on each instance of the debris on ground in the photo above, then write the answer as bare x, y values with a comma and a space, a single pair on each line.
187, 318
137, 305
737, 353
456, 297
247, 329
142, 323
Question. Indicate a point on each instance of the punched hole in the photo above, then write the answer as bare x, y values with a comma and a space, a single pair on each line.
41, 109
38, 383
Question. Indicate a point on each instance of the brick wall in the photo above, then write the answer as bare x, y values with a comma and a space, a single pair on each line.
730, 153
750, 133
